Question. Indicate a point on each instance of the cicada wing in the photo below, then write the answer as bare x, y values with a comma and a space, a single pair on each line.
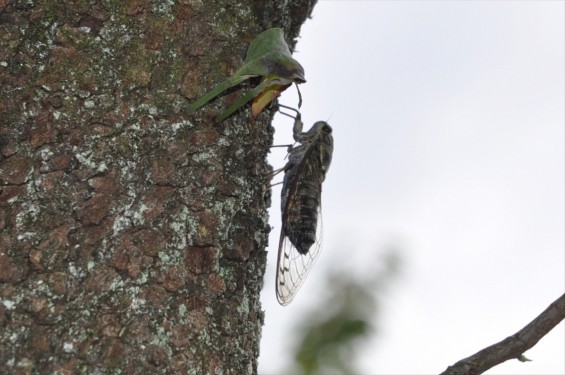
293, 267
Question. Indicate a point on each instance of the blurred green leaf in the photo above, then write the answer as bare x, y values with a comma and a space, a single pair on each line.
330, 334
323, 343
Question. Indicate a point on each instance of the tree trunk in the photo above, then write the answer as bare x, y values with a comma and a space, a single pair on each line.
132, 236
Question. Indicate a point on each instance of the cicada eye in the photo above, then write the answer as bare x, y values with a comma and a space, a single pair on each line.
327, 129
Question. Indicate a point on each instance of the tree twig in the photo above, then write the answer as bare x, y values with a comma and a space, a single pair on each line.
512, 347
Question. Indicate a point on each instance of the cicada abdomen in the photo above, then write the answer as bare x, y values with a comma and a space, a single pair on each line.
300, 239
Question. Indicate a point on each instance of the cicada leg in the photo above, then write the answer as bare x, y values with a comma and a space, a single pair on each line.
269, 177
298, 125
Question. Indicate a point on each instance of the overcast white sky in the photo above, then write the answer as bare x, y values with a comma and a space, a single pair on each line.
448, 121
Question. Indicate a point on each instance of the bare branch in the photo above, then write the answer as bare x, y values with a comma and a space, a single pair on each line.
514, 346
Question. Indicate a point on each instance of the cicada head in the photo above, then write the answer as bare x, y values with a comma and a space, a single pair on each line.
325, 142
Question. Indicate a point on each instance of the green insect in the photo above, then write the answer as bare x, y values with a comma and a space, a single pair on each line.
268, 56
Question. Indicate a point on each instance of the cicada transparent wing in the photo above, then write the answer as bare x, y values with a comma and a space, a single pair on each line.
293, 267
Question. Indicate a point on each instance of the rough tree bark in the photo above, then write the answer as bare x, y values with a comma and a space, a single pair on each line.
132, 236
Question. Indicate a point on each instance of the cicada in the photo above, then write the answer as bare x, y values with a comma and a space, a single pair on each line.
301, 198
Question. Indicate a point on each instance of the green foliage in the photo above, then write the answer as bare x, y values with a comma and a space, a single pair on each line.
269, 57
324, 343
331, 333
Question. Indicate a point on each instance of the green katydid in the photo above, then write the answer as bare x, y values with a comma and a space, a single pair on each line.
268, 56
